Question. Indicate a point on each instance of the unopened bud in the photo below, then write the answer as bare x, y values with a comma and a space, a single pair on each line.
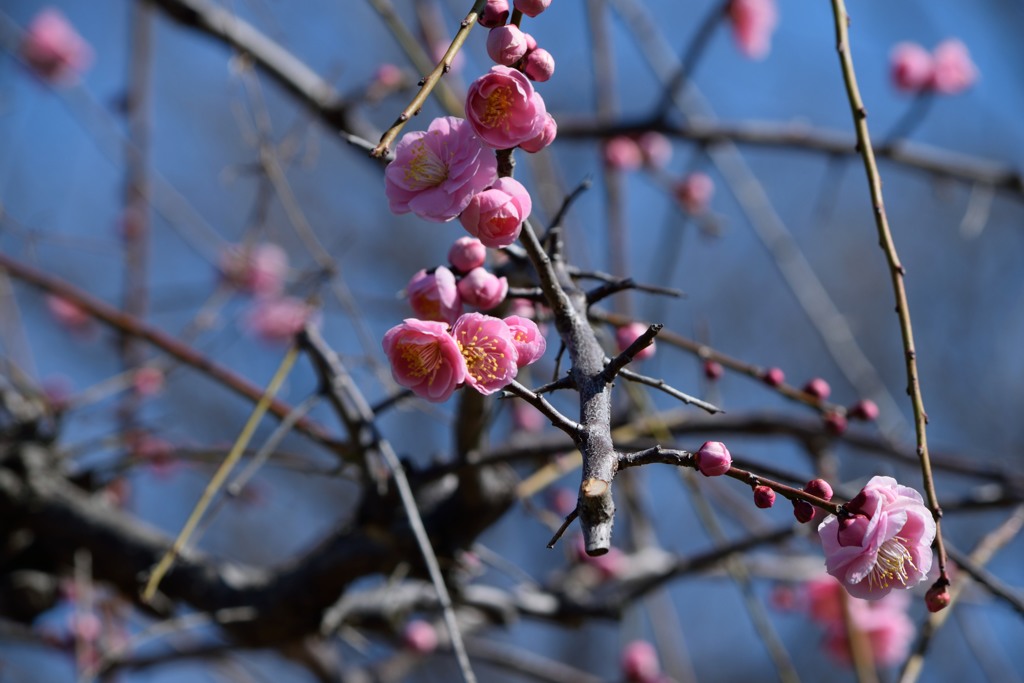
764, 497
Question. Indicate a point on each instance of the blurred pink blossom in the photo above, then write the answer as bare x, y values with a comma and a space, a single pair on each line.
490, 355
655, 148
435, 296
622, 153
436, 172
627, 334
954, 71
425, 358
526, 418
886, 544
278, 319
694, 192
420, 637
68, 313
259, 269
389, 75
148, 380
911, 67
496, 215
482, 289
53, 49
503, 108
639, 661
753, 22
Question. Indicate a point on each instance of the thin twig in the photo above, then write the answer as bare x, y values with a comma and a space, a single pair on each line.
661, 385
540, 403
639, 344
569, 519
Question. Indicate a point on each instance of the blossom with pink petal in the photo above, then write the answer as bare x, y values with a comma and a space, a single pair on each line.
278, 319
656, 149
546, 137
483, 289
694, 192
437, 171
531, 8
623, 154
713, 459
911, 67
53, 49
489, 352
435, 296
954, 71
260, 269
539, 65
467, 253
495, 13
425, 358
496, 215
886, 544
627, 334
753, 22
530, 343
506, 45
420, 637
503, 108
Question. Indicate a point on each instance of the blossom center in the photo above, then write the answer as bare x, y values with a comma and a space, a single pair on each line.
425, 169
891, 564
482, 359
497, 107
421, 359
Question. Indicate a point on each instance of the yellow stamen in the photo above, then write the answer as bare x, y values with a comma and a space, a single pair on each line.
425, 169
891, 564
422, 359
499, 102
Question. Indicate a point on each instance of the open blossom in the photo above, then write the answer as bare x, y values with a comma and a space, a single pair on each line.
425, 358
437, 171
489, 352
483, 289
496, 215
530, 343
435, 296
506, 45
753, 22
886, 544
911, 67
627, 334
954, 71
504, 109
546, 137
53, 48
278, 319
260, 269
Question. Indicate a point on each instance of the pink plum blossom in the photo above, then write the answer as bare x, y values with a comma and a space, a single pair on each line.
467, 253
68, 313
753, 22
531, 8
764, 497
278, 319
435, 296
420, 637
489, 352
627, 334
713, 459
483, 289
539, 65
389, 75
656, 149
886, 544
911, 67
496, 215
694, 192
623, 154
260, 269
546, 137
495, 13
530, 343
639, 662
436, 172
425, 358
954, 71
503, 108
53, 49
506, 45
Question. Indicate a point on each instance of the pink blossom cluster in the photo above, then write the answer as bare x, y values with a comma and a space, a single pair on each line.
626, 153
433, 359
441, 294
884, 544
53, 49
947, 70
508, 45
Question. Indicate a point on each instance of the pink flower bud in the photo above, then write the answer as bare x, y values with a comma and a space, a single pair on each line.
694, 193
656, 149
389, 75
68, 313
627, 334
622, 153
773, 377
503, 109
539, 65
496, 215
482, 289
753, 22
803, 511
506, 45
818, 388
259, 269
53, 49
866, 410
277, 320
495, 14
713, 370
531, 8
531, 42
713, 459
954, 70
764, 497
640, 662
467, 253
546, 137
937, 598
434, 296
819, 488
911, 67
488, 350
148, 381
835, 423
527, 419
425, 358
420, 637
530, 343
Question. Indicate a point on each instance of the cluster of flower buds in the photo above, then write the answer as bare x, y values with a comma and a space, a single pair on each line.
947, 70
441, 294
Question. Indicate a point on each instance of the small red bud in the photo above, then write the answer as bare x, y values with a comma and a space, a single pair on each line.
937, 598
818, 388
773, 377
803, 511
713, 370
713, 459
819, 488
835, 423
764, 497
866, 410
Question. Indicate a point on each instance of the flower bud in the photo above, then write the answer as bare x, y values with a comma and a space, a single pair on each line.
467, 253
546, 137
803, 511
764, 497
713, 370
496, 215
911, 67
420, 637
713, 459
866, 410
835, 423
818, 388
640, 662
495, 14
627, 334
539, 65
819, 488
937, 598
656, 149
506, 45
622, 153
482, 289
531, 8
773, 377
694, 193
954, 70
